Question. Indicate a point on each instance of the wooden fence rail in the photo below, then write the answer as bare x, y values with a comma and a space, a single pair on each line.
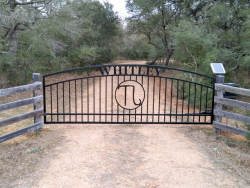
19, 89
220, 113
35, 100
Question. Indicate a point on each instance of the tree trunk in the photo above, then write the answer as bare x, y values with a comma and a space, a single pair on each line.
14, 51
154, 61
13, 44
168, 57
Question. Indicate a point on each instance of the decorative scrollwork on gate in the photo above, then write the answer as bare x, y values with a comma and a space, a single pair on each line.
130, 94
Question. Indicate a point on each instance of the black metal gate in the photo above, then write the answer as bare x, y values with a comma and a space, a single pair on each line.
128, 94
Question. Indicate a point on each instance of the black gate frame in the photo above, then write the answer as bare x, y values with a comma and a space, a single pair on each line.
136, 70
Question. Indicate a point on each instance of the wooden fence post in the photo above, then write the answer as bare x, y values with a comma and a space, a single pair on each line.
37, 92
218, 107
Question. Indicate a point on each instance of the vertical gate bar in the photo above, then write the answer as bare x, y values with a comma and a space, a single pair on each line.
123, 115
63, 105
147, 97
75, 101
159, 104
194, 102
177, 98
94, 99
136, 80
112, 93
129, 115
57, 102
129, 111
88, 98
206, 104
118, 80
183, 99
69, 103
153, 100
171, 100
51, 102
189, 88
200, 104
106, 95
141, 105
100, 98
81, 100
125, 94
165, 98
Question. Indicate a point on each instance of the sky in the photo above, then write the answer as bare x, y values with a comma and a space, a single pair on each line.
119, 7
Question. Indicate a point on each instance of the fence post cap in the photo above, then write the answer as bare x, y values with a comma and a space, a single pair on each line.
36, 77
220, 79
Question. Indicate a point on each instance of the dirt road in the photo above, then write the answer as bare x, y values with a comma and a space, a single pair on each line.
132, 157
122, 156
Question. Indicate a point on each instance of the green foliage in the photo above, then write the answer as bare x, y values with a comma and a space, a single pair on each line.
196, 33
81, 32
193, 46
136, 47
70, 34
154, 19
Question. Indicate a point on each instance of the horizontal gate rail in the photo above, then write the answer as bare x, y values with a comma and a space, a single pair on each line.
172, 114
127, 123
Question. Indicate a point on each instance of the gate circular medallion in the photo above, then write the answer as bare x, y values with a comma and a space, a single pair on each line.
130, 94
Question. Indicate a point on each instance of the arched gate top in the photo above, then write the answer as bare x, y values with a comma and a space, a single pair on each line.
133, 70
130, 69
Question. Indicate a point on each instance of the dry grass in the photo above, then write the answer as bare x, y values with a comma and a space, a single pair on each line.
228, 150
24, 156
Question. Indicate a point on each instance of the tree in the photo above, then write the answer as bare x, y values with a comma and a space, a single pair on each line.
224, 25
194, 47
15, 18
93, 29
154, 19
51, 35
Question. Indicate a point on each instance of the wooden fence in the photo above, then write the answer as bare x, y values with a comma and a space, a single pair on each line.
220, 113
35, 100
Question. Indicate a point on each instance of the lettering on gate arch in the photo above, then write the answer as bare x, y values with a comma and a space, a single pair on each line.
104, 70
130, 94
129, 70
